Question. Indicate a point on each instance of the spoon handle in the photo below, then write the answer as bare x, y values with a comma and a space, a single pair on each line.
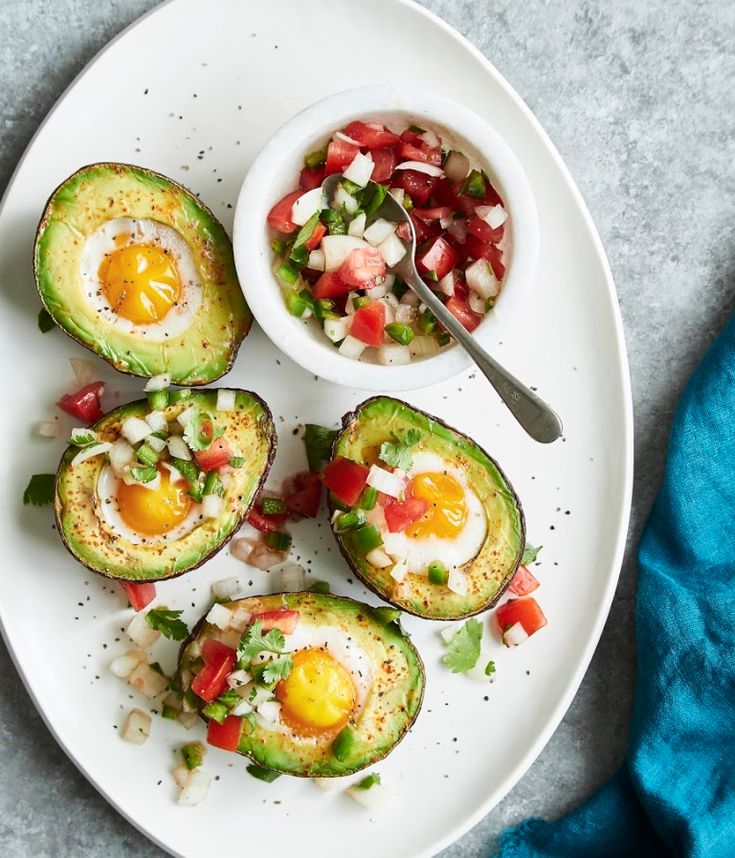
534, 415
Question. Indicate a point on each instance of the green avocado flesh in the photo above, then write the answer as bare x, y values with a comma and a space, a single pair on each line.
364, 431
104, 547
393, 692
197, 348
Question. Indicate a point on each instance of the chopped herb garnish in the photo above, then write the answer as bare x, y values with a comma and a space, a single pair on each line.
253, 642
530, 553
318, 442
200, 431
277, 669
463, 649
397, 453
490, 668
40, 490
45, 322
167, 622
263, 774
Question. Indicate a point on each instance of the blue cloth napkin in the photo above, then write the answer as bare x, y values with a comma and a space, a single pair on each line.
675, 794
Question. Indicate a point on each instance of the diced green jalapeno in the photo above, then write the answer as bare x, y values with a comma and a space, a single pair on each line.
401, 333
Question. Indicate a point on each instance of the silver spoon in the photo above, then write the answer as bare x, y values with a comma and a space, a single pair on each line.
535, 416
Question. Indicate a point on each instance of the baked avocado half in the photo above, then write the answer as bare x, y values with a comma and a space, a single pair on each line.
134, 267
306, 684
422, 514
147, 494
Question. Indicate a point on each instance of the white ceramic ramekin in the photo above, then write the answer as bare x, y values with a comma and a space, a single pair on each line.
275, 172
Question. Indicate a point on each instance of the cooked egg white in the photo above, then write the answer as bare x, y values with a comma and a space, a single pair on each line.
141, 277
454, 528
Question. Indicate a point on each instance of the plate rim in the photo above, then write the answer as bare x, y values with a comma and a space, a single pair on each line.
569, 691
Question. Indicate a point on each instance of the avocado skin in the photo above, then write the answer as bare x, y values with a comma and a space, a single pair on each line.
181, 565
274, 759
211, 365
427, 423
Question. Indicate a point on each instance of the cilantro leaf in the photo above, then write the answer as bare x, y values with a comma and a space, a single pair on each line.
40, 490
168, 623
490, 668
398, 452
530, 553
45, 322
463, 649
200, 431
253, 642
277, 669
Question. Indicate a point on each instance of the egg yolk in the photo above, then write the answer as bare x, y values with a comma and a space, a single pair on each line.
153, 511
318, 696
447, 510
140, 281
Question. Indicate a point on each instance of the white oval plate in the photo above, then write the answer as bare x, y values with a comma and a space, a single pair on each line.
193, 91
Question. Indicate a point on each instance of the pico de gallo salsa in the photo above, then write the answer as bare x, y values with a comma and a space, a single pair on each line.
337, 263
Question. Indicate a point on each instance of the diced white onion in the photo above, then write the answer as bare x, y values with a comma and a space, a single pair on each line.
423, 346
448, 632
227, 588
85, 372
340, 135
360, 170
480, 279
379, 230
186, 415
458, 582
157, 421
196, 788
141, 633
137, 727
244, 707
225, 400
306, 205
292, 578
421, 167
515, 635
82, 434
178, 448
149, 682
188, 719
238, 678
398, 194
241, 549
91, 452
316, 259
219, 616
134, 429
410, 297
399, 570
337, 248
389, 482
374, 797
336, 329
476, 303
156, 443
378, 558
393, 250
330, 784
477, 673
49, 429
494, 216
447, 284
240, 619
121, 454
357, 225
376, 292
269, 711
391, 300
351, 347
431, 138
393, 354
458, 230
125, 664
212, 506
158, 382
446, 222
181, 775
264, 558
350, 303
456, 166
405, 314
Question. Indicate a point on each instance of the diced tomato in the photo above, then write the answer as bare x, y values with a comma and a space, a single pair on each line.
372, 135
460, 309
330, 285
84, 405
219, 661
345, 478
266, 523
417, 185
310, 178
400, 515
215, 456
313, 241
225, 735
436, 213
283, 620
466, 204
385, 161
492, 197
478, 227
279, 217
445, 194
413, 137
493, 255
340, 154
420, 152
306, 495
439, 257
475, 248
139, 595
524, 611
368, 324
363, 267
424, 231
523, 582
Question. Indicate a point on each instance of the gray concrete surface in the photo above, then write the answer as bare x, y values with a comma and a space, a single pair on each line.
639, 98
